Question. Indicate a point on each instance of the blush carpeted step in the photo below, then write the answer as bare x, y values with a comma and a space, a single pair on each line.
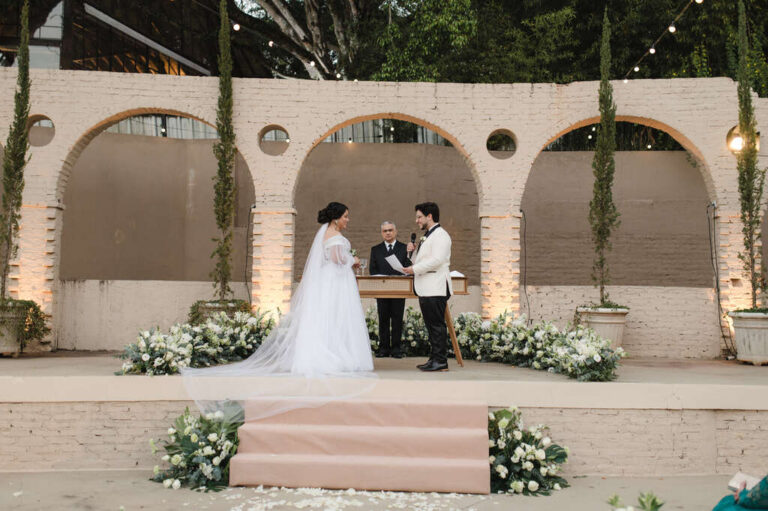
383, 413
362, 472
264, 438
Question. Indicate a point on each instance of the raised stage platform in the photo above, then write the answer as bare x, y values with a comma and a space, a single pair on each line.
68, 411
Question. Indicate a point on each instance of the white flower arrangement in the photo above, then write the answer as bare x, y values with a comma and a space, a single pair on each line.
578, 353
220, 340
520, 462
199, 451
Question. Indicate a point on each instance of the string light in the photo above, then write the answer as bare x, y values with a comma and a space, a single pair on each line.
338, 76
271, 43
312, 63
671, 28
589, 137
648, 146
236, 27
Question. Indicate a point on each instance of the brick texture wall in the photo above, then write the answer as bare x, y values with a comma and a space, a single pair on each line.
697, 112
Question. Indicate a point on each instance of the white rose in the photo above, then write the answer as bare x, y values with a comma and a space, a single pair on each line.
167, 483
213, 437
540, 454
557, 486
219, 414
503, 423
145, 357
176, 459
165, 458
177, 484
546, 441
171, 431
597, 357
491, 416
518, 486
491, 459
502, 444
216, 461
527, 465
194, 437
519, 451
544, 471
533, 485
491, 443
518, 434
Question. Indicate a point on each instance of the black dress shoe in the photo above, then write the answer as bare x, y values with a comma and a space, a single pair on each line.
425, 364
434, 366
397, 355
381, 354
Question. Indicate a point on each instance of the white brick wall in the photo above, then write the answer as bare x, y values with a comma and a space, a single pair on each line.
667, 322
698, 112
628, 442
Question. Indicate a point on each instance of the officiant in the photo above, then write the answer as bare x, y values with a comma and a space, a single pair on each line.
390, 309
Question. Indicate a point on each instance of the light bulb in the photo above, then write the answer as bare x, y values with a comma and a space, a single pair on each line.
652, 51
648, 146
699, 1
589, 137
312, 63
287, 140
637, 68
338, 75
737, 143
355, 80
593, 128
271, 44
392, 128
672, 29
236, 27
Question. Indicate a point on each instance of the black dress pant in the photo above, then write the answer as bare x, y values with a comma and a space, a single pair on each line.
433, 310
390, 325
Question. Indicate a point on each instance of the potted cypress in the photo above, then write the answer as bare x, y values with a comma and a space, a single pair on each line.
606, 318
20, 320
750, 325
225, 193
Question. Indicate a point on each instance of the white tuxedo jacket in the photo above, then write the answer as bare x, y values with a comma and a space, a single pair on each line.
431, 263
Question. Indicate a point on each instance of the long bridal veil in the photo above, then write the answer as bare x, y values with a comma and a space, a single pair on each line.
298, 364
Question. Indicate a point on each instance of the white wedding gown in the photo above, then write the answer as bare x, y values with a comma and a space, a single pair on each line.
320, 351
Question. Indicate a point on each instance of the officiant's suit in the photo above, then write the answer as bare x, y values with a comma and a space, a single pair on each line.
390, 309
432, 284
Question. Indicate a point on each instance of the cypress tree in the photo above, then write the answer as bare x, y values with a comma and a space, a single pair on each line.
751, 179
15, 157
603, 216
224, 150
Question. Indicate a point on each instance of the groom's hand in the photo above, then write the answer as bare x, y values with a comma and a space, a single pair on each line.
408, 270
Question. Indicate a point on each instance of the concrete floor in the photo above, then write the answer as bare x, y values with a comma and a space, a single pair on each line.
130, 490
631, 370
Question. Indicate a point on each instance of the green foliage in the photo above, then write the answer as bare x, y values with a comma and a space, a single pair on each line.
197, 312
421, 47
198, 450
603, 216
28, 320
645, 502
15, 157
751, 179
225, 192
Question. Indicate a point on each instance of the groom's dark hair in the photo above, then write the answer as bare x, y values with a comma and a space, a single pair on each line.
429, 208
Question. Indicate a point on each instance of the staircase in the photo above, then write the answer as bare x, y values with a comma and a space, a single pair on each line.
368, 445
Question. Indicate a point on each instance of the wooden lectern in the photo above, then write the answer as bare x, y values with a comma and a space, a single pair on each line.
384, 286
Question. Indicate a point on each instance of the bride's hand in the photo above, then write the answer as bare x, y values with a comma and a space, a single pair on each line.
357, 262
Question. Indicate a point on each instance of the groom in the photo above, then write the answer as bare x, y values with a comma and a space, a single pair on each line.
432, 282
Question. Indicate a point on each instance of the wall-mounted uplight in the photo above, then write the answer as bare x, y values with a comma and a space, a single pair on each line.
736, 142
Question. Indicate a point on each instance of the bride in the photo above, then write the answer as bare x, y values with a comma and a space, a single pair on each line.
316, 347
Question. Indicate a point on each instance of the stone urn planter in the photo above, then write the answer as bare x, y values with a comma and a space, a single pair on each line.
751, 336
607, 323
10, 319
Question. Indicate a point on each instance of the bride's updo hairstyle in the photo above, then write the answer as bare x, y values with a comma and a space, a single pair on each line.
333, 211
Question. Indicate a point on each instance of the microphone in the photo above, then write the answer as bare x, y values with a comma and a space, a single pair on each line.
413, 240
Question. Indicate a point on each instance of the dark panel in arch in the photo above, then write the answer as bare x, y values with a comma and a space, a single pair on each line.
141, 208
663, 239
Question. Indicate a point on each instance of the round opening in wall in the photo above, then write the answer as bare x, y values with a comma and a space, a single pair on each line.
41, 130
501, 144
274, 140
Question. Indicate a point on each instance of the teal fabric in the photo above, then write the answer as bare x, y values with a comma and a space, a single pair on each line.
756, 498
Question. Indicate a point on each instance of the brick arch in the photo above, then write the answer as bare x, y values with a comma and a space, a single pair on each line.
82, 142
565, 127
400, 117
